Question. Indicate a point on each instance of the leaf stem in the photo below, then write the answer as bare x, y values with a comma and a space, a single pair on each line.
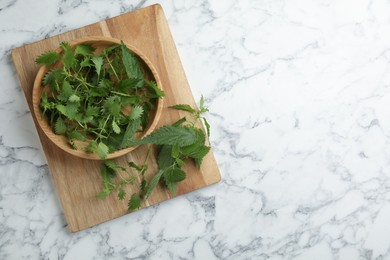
109, 62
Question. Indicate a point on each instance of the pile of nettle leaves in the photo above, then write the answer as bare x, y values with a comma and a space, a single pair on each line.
105, 99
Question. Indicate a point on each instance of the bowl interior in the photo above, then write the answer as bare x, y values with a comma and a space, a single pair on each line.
99, 43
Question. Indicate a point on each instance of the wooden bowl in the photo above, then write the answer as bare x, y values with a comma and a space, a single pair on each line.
60, 140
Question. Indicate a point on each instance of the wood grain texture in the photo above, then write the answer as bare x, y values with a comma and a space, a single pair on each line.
77, 181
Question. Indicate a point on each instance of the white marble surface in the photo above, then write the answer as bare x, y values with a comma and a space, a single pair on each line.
299, 93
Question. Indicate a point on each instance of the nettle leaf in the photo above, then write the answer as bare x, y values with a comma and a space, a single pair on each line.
143, 187
136, 112
174, 175
113, 106
98, 61
172, 135
60, 127
134, 202
175, 151
131, 63
105, 83
66, 91
72, 109
201, 102
179, 162
207, 126
180, 121
128, 136
69, 57
109, 186
104, 193
92, 111
172, 187
61, 109
102, 150
53, 79
145, 116
200, 152
165, 158
92, 147
153, 85
86, 62
84, 49
128, 84
121, 194
115, 127
74, 98
198, 162
110, 163
153, 183
184, 107
48, 58
74, 134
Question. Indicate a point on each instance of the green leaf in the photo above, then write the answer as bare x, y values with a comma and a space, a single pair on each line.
153, 183
60, 127
84, 49
184, 107
198, 162
113, 106
174, 175
48, 58
74, 134
200, 152
92, 147
201, 102
115, 127
98, 61
71, 109
165, 158
175, 151
179, 162
128, 84
102, 150
134, 202
207, 126
180, 121
172, 135
61, 109
131, 129
109, 186
121, 194
68, 58
66, 91
131, 63
92, 111
145, 116
136, 112
153, 85
104, 193
172, 187
110, 163
53, 79
143, 188
86, 62
74, 98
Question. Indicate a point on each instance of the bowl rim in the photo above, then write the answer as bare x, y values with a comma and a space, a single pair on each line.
47, 129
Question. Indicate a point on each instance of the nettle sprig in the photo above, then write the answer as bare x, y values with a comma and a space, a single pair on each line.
176, 145
103, 99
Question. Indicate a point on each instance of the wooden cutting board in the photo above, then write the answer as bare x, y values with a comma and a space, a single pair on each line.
77, 181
